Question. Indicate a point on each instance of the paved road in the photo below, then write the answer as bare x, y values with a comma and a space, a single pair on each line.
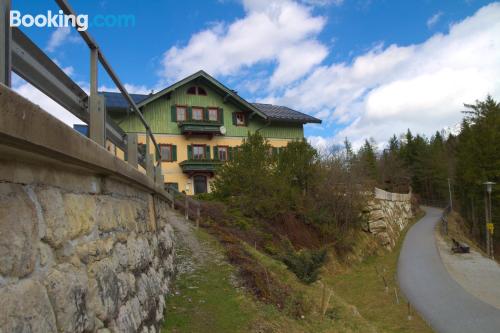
441, 301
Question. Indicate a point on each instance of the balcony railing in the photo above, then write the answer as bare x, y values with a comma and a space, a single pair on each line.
207, 165
202, 127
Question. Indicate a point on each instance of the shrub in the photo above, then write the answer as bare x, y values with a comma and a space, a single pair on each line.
305, 263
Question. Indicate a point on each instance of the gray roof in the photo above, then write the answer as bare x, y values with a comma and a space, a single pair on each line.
115, 101
283, 113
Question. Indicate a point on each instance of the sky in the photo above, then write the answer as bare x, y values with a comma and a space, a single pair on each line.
367, 68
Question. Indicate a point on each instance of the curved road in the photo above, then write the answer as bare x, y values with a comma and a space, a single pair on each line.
443, 303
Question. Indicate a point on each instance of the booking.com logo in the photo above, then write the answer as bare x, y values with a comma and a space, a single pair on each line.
80, 22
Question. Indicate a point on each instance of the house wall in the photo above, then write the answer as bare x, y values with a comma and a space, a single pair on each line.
158, 116
172, 172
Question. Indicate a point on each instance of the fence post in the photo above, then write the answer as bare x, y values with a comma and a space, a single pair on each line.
158, 175
198, 215
149, 159
132, 157
97, 112
5, 42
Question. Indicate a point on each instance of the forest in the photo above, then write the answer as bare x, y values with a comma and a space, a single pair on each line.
441, 164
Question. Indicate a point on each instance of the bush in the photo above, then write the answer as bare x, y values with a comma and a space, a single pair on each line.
305, 263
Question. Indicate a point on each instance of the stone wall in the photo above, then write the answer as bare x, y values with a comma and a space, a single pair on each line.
80, 252
386, 215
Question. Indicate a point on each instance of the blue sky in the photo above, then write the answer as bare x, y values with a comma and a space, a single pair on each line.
367, 68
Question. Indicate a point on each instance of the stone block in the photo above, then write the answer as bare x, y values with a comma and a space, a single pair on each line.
139, 253
377, 226
95, 250
18, 231
81, 212
67, 288
376, 215
54, 216
104, 289
26, 308
129, 317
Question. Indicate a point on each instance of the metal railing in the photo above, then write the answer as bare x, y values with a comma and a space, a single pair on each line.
21, 55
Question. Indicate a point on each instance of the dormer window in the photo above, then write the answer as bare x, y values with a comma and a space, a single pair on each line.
202, 91
196, 90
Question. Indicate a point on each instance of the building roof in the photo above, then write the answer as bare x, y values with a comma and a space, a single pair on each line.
283, 113
116, 102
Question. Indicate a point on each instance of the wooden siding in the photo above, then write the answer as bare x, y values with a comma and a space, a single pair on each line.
158, 115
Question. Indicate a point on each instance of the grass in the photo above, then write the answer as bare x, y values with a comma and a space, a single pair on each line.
362, 285
208, 299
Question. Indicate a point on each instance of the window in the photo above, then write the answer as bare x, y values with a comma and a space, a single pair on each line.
198, 152
240, 119
172, 185
166, 153
202, 91
197, 113
181, 113
213, 114
223, 153
196, 91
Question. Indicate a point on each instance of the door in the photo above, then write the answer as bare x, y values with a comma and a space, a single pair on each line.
200, 184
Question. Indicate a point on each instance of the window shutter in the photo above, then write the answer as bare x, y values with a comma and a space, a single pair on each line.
207, 152
230, 153
205, 114
221, 115
174, 113
190, 152
234, 118
216, 153
174, 153
190, 114
246, 119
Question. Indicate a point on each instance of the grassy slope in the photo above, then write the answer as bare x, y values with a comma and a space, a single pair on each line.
208, 301
362, 286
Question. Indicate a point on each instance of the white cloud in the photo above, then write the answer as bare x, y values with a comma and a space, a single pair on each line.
421, 86
58, 37
49, 105
434, 19
46, 103
131, 89
275, 32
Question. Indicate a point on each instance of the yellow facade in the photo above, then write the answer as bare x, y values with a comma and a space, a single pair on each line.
172, 172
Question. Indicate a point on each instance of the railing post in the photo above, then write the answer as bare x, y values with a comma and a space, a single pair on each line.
158, 174
97, 112
198, 215
149, 159
132, 158
5, 43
